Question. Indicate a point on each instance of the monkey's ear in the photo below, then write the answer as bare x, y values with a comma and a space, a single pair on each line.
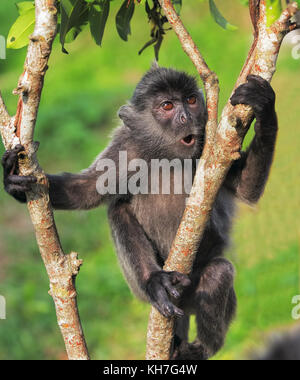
127, 115
154, 65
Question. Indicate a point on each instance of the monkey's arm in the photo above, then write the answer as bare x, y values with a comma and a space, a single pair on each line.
67, 191
138, 259
74, 191
248, 176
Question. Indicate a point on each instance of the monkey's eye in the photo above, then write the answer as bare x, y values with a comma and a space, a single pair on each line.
167, 106
192, 100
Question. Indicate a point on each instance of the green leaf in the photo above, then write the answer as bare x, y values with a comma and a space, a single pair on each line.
24, 6
98, 18
74, 14
219, 18
177, 5
273, 11
71, 35
18, 36
123, 19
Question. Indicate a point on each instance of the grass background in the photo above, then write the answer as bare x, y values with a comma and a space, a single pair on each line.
83, 91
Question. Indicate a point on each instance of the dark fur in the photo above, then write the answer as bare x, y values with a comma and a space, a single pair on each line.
144, 226
283, 347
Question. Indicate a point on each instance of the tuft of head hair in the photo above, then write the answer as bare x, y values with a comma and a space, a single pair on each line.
160, 80
154, 65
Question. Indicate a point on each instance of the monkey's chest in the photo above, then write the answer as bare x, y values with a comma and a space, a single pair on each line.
160, 216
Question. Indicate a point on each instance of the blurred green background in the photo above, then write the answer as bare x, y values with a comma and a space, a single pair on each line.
83, 91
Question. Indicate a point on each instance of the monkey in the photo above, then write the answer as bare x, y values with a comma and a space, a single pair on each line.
165, 119
282, 346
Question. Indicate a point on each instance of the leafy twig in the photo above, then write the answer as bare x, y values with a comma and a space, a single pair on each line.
62, 269
222, 147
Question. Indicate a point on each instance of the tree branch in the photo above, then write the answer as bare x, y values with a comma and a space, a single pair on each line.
6, 124
4, 115
62, 269
209, 78
222, 147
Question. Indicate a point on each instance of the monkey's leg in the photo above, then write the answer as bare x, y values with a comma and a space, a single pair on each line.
181, 334
214, 305
139, 263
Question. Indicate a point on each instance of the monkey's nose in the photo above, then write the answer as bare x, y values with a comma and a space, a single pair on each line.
183, 118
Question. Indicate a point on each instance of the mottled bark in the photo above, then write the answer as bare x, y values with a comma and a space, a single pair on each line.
62, 269
223, 145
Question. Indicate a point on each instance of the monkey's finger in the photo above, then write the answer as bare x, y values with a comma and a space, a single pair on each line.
167, 284
10, 188
7, 162
165, 311
19, 148
258, 80
163, 304
255, 91
168, 310
260, 104
5, 157
20, 180
242, 96
252, 91
10, 158
246, 89
180, 279
241, 99
178, 312
18, 183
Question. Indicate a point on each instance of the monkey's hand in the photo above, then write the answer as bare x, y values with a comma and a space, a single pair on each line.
163, 285
15, 184
258, 94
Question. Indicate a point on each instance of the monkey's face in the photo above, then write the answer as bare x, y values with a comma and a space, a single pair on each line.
180, 116
167, 115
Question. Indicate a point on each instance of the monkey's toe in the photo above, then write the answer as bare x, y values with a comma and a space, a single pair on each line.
160, 287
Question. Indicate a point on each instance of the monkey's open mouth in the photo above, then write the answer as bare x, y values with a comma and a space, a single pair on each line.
188, 140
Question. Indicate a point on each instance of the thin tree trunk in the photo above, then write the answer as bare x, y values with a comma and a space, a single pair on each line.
62, 269
222, 147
